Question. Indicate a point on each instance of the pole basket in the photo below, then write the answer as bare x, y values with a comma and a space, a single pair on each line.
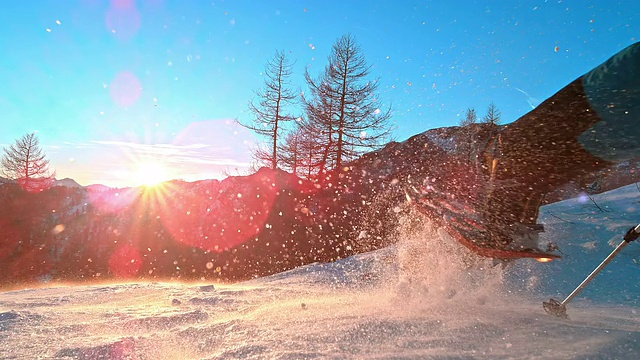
555, 308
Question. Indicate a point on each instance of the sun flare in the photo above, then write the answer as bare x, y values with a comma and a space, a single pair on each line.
151, 174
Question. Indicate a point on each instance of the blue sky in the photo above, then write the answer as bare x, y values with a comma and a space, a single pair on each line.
113, 86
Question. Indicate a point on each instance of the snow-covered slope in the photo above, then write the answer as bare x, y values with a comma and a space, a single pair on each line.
425, 297
587, 229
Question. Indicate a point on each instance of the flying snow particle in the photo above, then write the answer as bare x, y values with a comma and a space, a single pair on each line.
583, 198
209, 265
363, 135
57, 229
376, 111
48, 30
58, 22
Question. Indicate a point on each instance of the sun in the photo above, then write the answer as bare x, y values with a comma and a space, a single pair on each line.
150, 174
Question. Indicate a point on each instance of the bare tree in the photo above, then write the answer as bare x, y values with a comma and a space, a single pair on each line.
291, 152
344, 101
470, 117
468, 133
304, 150
25, 162
493, 115
320, 110
269, 112
491, 142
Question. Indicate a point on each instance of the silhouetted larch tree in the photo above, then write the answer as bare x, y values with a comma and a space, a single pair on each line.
291, 152
493, 115
345, 104
468, 133
26, 163
470, 117
269, 112
491, 120
304, 150
321, 122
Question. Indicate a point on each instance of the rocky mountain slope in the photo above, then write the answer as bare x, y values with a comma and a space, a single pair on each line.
241, 227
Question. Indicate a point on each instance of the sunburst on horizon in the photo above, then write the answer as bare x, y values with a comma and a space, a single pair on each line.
150, 174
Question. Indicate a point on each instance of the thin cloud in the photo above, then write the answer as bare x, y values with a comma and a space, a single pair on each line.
206, 154
101, 160
533, 102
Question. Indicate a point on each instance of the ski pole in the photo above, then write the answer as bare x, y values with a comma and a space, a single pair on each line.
553, 307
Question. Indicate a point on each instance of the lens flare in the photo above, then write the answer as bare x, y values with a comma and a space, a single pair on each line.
151, 174
125, 89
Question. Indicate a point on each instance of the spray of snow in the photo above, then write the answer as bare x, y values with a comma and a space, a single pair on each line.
433, 268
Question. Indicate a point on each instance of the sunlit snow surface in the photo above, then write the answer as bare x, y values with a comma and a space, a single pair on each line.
424, 298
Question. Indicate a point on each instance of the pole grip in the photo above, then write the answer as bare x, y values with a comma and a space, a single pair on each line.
632, 234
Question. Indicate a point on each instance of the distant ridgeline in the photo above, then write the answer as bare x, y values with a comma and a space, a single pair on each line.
241, 227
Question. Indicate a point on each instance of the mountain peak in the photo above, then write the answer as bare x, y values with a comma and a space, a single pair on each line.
67, 182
